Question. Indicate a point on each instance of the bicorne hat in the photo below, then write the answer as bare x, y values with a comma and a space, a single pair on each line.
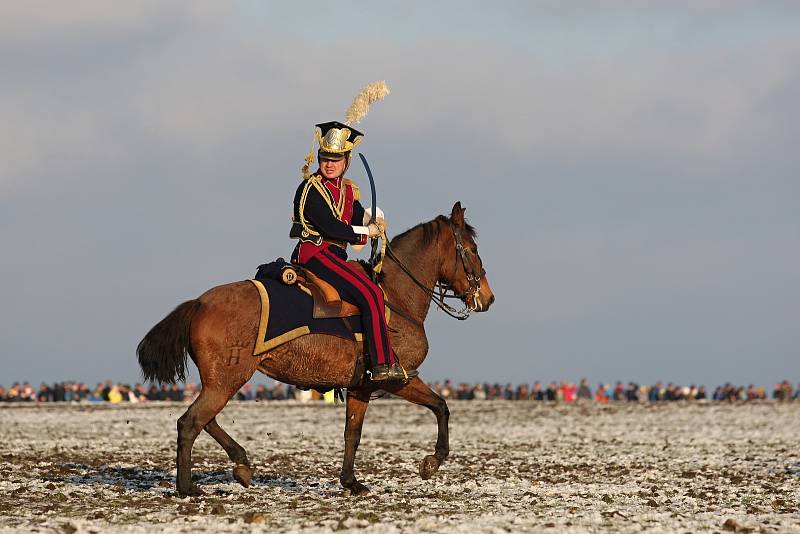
336, 139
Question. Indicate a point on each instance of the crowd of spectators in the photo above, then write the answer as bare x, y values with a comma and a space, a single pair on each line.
618, 392
552, 392
103, 392
118, 392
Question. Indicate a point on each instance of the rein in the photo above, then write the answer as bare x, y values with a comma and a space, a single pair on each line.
439, 293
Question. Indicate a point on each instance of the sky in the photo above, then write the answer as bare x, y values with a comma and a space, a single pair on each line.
632, 170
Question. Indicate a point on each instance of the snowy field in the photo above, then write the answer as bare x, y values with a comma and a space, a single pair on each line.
514, 466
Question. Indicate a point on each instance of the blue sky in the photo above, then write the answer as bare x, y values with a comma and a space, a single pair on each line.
632, 172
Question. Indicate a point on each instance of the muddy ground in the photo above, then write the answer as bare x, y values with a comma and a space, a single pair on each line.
514, 466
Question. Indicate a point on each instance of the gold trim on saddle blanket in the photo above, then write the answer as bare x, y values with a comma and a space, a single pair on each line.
262, 346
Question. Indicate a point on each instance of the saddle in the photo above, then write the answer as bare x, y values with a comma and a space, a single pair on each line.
327, 301
280, 285
328, 304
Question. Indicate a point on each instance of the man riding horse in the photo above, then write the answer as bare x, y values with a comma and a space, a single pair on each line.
328, 216
221, 329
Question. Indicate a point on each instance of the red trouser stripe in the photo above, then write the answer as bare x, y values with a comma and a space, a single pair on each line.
375, 302
365, 283
374, 299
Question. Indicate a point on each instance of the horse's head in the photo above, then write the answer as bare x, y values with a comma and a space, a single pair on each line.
463, 270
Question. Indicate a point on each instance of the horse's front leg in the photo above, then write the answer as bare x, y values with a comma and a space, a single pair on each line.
357, 403
418, 392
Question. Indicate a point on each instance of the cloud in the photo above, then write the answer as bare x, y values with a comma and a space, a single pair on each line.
38, 24
167, 78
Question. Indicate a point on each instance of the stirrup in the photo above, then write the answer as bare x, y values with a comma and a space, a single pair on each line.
388, 373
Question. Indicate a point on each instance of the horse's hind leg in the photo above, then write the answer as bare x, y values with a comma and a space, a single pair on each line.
357, 403
242, 472
417, 392
211, 401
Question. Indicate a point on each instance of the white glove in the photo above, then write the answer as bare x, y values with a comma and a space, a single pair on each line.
371, 230
368, 214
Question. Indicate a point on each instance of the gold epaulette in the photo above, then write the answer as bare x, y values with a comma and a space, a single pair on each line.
356, 190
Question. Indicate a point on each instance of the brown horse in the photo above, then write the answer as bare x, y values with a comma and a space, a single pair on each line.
219, 329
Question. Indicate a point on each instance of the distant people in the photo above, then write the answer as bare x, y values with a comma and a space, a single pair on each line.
701, 393
190, 392
465, 392
44, 394
600, 395
59, 393
568, 392
175, 393
782, 391
27, 393
447, 390
654, 393
632, 392
114, 396
584, 391
70, 391
537, 393
551, 394
106, 392
278, 392
619, 392
247, 392
141, 393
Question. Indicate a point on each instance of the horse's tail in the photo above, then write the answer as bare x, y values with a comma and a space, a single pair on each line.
162, 353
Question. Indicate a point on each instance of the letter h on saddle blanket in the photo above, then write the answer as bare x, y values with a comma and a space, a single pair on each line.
303, 304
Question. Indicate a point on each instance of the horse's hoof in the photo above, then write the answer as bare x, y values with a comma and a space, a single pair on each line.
243, 475
428, 466
191, 491
358, 489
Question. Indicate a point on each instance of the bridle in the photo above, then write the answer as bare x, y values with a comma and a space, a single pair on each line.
440, 291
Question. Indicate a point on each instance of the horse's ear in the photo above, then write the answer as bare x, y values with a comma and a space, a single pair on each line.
457, 215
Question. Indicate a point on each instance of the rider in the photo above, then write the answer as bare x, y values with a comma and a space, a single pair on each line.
327, 216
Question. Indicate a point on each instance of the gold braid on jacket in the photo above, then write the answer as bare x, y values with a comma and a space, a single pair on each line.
337, 210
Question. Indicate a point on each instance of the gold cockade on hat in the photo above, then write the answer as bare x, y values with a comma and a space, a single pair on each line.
337, 140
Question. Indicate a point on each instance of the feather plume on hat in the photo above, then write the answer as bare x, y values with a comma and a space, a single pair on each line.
360, 106
355, 113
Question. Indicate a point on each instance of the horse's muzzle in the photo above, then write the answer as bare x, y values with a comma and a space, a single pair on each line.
480, 306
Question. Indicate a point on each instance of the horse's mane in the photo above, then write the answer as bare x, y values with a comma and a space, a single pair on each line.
429, 230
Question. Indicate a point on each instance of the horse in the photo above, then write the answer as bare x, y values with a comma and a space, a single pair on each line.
218, 329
